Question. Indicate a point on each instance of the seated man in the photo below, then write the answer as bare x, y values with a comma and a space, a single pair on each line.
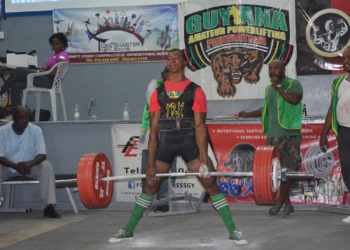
23, 151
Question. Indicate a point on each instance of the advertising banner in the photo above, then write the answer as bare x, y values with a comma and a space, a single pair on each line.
118, 34
323, 32
126, 160
229, 44
234, 147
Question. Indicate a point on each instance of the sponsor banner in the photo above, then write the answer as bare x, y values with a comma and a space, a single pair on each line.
127, 155
234, 146
229, 44
118, 34
126, 160
323, 30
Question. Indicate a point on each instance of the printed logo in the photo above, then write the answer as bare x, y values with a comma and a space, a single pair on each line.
235, 41
134, 184
175, 109
241, 158
131, 145
131, 185
328, 33
174, 94
235, 187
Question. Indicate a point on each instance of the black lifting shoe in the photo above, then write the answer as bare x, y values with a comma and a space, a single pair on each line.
287, 210
275, 209
50, 212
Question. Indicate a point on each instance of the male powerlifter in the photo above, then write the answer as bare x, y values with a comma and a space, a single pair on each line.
178, 111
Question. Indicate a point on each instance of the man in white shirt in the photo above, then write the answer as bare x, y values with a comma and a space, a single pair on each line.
23, 152
338, 118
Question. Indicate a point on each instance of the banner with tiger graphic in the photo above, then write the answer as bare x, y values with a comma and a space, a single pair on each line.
229, 44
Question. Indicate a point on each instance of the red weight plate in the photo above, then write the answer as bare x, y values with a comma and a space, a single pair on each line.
267, 173
263, 196
262, 175
94, 193
256, 172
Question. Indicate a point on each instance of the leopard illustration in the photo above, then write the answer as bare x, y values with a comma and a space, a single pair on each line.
229, 67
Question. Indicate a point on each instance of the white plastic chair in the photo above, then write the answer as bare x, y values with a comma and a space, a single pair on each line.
61, 70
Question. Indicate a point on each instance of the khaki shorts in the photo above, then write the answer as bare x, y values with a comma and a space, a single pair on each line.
289, 149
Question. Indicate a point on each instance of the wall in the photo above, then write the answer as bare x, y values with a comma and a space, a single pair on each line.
111, 84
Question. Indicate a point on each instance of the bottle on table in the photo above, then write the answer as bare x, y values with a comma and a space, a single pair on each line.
304, 110
125, 110
76, 112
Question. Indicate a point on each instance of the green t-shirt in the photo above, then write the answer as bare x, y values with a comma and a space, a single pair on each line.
152, 86
275, 130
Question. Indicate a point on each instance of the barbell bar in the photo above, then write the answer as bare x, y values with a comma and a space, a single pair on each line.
179, 175
95, 179
284, 175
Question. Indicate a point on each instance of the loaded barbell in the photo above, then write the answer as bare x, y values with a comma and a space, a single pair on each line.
95, 179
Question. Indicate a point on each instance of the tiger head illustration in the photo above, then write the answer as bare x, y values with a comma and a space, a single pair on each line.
229, 67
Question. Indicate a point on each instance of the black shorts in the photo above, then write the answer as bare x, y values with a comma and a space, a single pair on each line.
177, 143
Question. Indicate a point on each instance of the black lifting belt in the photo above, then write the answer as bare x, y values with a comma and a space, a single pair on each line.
176, 123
